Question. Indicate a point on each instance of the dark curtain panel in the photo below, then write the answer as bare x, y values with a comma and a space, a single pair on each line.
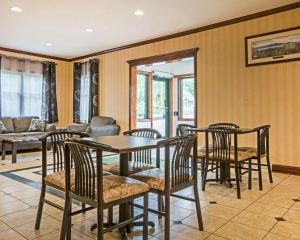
94, 77
49, 109
76, 92
0, 89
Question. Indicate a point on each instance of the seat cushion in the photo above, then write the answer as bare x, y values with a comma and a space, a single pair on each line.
242, 155
114, 168
155, 178
8, 123
118, 187
57, 179
22, 124
252, 150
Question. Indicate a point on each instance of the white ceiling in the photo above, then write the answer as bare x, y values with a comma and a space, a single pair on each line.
63, 22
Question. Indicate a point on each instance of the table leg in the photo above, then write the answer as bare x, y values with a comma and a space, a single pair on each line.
3, 150
124, 210
14, 153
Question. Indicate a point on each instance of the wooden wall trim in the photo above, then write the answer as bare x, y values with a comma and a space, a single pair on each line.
197, 30
286, 169
164, 57
34, 54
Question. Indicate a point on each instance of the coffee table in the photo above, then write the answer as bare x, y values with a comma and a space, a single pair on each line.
15, 142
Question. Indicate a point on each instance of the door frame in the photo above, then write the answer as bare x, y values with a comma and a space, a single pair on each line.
192, 52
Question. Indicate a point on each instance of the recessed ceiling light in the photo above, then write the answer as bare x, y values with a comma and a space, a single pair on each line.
138, 13
16, 9
89, 30
49, 44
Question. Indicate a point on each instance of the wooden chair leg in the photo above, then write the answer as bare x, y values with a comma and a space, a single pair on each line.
259, 174
240, 171
64, 226
198, 207
167, 217
269, 169
250, 174
217, 171
110, 216
237, 177
202, 167
69, 219
40, 208
145, 221
100, 224
204, 175
159, 204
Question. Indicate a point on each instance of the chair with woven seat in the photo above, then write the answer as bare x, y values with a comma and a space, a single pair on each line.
139, 160
185, 130
179, 172
261, 152
54, 177
97, 190
224, 154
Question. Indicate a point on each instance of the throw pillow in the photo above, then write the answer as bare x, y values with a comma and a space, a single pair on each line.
2, 127
37, 125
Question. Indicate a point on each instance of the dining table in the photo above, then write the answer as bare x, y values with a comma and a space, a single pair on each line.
124, 146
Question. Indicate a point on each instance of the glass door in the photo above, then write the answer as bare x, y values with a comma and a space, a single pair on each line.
161, 105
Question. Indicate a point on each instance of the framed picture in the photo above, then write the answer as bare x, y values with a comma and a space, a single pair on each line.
273, 47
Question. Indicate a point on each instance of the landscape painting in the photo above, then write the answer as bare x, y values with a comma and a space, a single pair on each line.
279, 46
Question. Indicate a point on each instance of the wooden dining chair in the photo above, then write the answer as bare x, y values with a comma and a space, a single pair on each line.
54, 175
214, 166
260, 152
139, 160
184, 129
179, 172
97, 190
225, 154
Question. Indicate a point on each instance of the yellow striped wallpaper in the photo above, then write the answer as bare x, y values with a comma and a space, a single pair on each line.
227, 90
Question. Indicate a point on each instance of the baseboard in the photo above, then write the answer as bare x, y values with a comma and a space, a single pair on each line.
286, 169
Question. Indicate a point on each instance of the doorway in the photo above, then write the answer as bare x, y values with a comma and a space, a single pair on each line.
163, 91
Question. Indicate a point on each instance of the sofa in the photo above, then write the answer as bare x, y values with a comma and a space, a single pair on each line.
99, 126
18, 127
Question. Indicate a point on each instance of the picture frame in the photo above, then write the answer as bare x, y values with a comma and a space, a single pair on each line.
273, 47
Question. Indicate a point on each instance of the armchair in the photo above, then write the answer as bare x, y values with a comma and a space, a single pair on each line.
99, 126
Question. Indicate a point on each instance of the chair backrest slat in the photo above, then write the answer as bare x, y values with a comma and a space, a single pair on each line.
178, 161
55, 139
142, 156
220, 141
86, 176
263, 134
184, 129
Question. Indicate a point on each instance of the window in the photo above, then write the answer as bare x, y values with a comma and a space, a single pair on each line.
186, 91
21, 88
142, 96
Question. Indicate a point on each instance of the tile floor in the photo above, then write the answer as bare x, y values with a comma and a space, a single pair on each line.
271, 214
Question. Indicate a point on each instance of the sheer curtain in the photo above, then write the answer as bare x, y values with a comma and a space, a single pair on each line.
21, 87
85, 96
85, 89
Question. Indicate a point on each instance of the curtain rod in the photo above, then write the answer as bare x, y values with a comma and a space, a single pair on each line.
26, 59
